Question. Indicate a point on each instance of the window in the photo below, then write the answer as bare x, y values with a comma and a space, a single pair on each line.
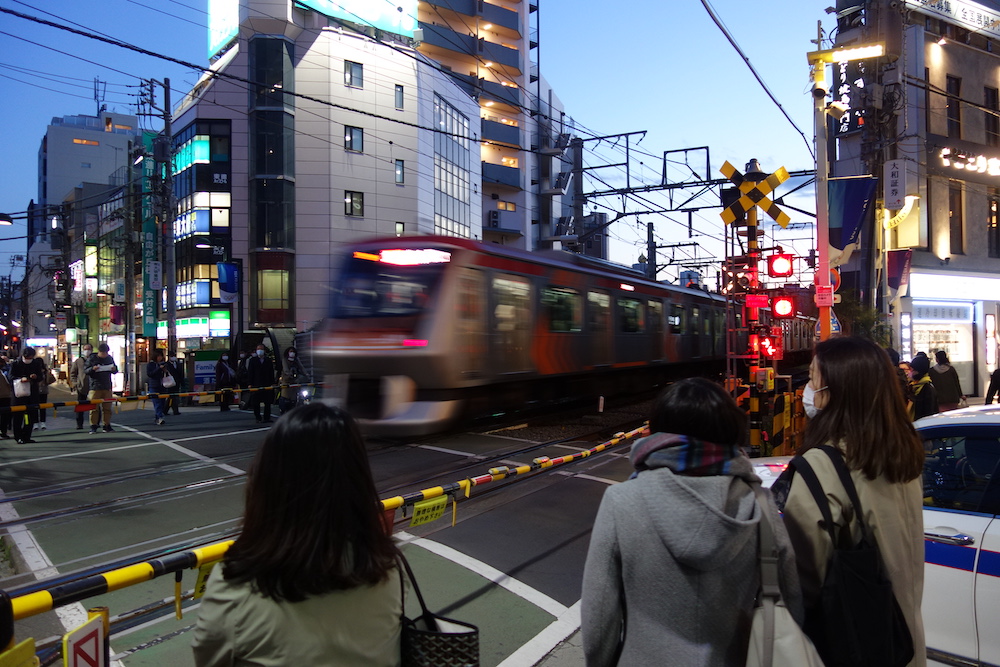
955, 218
564, 309
87, 142
354, 139
354, 203
631, 315
991, 100
400, 174
957, 472
993, 222
400, 228
953, 87
506, 206
676, 319
354, 74
399, 96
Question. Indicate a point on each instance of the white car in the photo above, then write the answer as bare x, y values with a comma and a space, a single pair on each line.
961, 605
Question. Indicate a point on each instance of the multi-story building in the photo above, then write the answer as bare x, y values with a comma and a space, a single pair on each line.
318, 126
926, 119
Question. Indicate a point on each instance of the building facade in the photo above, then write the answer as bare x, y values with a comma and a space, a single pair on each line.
926, 120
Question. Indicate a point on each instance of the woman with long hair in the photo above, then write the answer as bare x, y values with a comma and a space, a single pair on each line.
946, 382
672, 570
861, 413
312, 578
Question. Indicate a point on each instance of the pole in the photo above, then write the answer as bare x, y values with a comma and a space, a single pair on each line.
168, 220
752, 320
824, 290
650, 252
239, 304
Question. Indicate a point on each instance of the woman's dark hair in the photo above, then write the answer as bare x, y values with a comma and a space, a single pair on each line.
865, 411
942, 357
291, 348
920, 366
701, 409
313, 521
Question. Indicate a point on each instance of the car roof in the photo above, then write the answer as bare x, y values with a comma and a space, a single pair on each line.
977, 415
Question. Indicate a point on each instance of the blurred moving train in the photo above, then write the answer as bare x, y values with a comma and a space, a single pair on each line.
424, 330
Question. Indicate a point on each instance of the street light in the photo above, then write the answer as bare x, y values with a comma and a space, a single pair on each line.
6, 219
818, 61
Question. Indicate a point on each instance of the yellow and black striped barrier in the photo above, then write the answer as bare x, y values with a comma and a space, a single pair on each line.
39, 602
145, 397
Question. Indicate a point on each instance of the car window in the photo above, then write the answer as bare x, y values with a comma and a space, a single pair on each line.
958, 471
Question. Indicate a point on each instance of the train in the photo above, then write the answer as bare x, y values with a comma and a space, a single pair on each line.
423, 331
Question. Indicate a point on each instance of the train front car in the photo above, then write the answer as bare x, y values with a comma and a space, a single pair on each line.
388, 350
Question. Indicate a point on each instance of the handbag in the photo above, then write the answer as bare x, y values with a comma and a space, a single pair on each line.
776, 639
22, 389
168, 381
431, 640
858, 621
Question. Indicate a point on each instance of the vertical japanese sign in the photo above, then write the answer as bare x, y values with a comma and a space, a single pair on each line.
150, 243
894, 184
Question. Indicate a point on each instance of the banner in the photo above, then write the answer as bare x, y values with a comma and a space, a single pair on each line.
899, 269
229, 282
852, 202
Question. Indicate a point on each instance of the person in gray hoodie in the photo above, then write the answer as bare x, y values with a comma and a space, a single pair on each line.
672, 574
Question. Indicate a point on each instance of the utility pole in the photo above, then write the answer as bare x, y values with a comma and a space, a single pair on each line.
163, 155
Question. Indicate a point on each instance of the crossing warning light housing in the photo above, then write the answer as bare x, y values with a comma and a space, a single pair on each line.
781, 265
783, 306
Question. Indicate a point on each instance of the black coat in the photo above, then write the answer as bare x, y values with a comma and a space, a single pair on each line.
260, 371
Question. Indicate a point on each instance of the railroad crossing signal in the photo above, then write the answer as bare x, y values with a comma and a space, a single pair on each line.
754, 194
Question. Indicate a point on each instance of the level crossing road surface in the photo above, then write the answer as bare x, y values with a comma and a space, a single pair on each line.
512, 564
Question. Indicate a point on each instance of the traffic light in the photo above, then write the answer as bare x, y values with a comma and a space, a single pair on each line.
781, 265
738, 276
783, 306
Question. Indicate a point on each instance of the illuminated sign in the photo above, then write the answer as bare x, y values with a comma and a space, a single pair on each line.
971, 15
942, 312
407, 257
223, 24
851, 77
397, 16
76, 275
90, 261
218, 323
195, 221
980, 164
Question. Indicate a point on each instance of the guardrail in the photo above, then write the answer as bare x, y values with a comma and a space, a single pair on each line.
145, 397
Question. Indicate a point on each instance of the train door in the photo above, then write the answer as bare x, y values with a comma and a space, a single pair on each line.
654, 318
678, 326
695, 330
470, 324
599, 328
630, 346
511, 321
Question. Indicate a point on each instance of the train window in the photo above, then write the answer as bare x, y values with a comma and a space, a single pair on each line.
676, 318
563, 307
600, 310
376, 289
655, 316
631, 315
511, 323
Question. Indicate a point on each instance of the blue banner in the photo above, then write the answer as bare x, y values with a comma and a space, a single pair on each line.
229, 282
852, 202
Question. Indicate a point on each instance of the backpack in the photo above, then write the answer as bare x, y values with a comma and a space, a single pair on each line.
858, 621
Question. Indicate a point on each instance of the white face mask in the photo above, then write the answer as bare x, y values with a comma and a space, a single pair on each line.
260, 353
291, 355
225, 357
809, 400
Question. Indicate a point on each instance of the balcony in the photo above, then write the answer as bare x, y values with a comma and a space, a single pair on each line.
501, 16
499, 132
502, 55
506, 94
446, 38
501, 175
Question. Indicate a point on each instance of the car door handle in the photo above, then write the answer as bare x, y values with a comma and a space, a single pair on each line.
960, 539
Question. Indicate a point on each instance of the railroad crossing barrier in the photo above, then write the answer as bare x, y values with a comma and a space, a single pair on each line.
37, 600
83, 406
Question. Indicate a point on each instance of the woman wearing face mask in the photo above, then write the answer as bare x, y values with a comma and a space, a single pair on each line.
225, 378
858, 410
925, 400
292, 372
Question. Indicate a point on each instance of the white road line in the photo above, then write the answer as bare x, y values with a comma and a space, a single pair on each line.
184, 450
501, 579
445, 451
541, 644
593, 478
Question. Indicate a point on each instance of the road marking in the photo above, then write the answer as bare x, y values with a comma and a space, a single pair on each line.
499, 578
445, 451
184, 450
593, 478
542, 644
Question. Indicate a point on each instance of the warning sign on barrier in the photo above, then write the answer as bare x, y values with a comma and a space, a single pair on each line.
84, 647
426, 511
203, 573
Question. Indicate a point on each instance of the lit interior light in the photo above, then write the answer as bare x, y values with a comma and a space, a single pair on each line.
942, 41
627, 288
487, 26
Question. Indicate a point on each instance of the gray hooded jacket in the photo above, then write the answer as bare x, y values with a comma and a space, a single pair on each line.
671, 574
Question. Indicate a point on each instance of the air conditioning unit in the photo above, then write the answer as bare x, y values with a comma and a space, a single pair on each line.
493, 219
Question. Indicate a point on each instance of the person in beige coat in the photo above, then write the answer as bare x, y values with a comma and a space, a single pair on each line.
859, 409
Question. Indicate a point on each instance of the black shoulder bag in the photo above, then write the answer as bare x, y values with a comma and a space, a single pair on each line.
435, 641
858, 621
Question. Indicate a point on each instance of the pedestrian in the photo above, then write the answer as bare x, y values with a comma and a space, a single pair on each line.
242, 378
946, 382
293, 372
100, 367
80, 382
6, 393
48, 378
862, 415
260, 373
26, 373
312, 577
175, 368
925, 400
225, 380
994, 387
156, 371
672, 571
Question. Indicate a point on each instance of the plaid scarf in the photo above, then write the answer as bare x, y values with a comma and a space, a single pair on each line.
683, 455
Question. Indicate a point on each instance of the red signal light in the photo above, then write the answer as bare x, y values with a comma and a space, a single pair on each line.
767, 346
781, 265
783, 306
